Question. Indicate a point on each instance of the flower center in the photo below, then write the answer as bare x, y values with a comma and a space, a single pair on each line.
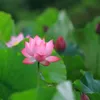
32, 59
15, 43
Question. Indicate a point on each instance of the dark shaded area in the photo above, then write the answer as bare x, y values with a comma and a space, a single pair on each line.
80, 11
13, 6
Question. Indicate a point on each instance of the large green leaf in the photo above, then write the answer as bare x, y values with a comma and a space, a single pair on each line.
14, 75
73, 64
77, 95
5, 90
58, 96
89, 84
56, 72
94, 96
6, 26
26, 95
35, 94
47, 18
89, 42
62, 27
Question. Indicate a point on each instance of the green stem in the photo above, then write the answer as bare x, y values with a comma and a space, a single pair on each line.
38, 75
38, 67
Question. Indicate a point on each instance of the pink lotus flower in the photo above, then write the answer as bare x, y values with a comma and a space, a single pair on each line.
38, 50
15, 40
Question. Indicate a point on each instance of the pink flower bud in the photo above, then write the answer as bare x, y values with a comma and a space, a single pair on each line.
60, 44
98, 28
45, 28
84, 97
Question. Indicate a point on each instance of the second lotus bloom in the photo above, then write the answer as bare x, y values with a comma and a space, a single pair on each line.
38, 50
15, 40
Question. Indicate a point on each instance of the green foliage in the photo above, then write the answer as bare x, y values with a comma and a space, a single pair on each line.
62, 27
18, 77
94, 96
14, 75
56, 72
6, 26
48, 18
89, 42
34, 94
89, 84
77, 95
20, 82
74, 64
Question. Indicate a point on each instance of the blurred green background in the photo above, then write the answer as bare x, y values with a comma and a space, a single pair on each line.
79, 11
82, 52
